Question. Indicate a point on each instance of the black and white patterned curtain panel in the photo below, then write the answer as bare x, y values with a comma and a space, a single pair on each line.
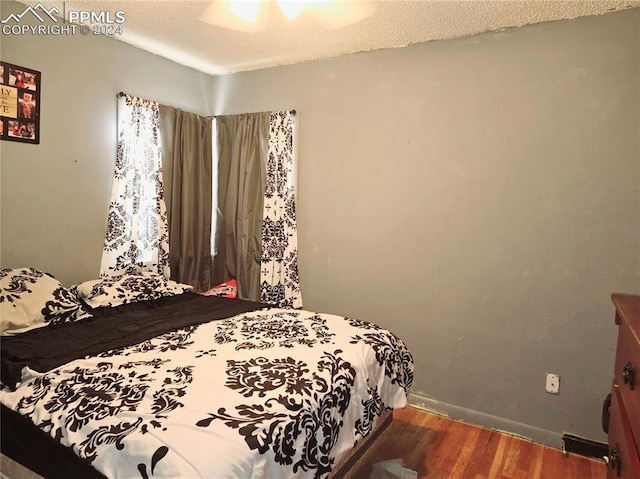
137, 239
279, 281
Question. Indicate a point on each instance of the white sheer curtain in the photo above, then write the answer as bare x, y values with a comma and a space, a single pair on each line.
279, 280
137, 238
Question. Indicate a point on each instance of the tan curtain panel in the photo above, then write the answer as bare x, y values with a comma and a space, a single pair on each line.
242, 149
186, 141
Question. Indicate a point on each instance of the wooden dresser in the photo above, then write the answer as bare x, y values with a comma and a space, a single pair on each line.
624, 420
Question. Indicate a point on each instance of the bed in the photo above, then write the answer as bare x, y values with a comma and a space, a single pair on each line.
139, 377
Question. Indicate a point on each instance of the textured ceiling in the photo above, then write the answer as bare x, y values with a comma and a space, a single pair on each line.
177, 29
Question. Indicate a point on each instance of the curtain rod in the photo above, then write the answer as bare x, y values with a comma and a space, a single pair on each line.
293, 112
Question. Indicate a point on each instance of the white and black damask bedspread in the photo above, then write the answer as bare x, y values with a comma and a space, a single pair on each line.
266, 394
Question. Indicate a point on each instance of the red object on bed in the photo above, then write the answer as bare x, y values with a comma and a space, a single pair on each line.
228, 289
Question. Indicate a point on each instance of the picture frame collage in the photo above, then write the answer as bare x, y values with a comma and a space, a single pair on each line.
19, 103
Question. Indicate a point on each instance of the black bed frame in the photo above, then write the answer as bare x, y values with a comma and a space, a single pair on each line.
38, 452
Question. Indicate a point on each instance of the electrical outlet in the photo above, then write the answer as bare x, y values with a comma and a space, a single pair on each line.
553, 383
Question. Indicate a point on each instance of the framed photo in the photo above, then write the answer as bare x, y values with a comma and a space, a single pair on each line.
19, 103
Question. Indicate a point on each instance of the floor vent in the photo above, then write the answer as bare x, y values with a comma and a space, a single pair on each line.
584, 447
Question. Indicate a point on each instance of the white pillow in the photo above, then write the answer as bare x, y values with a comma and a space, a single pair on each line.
128, 288
31, 299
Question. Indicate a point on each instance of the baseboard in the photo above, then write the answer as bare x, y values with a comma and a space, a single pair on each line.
536, 434
584, 447
569, 443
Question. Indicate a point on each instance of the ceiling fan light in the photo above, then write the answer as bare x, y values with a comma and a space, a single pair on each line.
246, 10
291, 8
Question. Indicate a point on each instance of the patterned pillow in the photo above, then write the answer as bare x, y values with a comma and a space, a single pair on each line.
128, 288
31, 299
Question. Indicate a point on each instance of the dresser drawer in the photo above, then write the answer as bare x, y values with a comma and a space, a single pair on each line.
627, 375
624, 462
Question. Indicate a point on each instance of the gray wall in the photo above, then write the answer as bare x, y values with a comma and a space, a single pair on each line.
55, 195
481, 198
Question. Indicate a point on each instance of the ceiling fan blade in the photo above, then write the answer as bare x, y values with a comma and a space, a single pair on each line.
240, 15
291, 8
335, 14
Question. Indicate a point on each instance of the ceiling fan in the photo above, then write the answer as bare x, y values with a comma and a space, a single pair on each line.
255, 15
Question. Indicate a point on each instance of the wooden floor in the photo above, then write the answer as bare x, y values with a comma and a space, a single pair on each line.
440, 448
